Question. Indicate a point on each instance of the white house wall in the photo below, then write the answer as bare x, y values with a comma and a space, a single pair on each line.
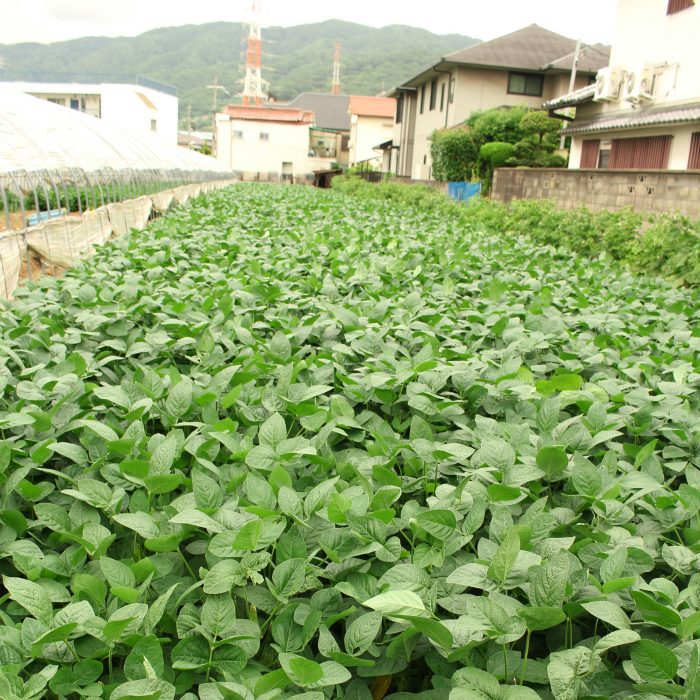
122, 106
249, 155
365, 134
116, 104
645, 34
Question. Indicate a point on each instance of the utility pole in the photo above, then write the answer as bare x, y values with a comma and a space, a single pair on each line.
572, 81
335, 84
214, 106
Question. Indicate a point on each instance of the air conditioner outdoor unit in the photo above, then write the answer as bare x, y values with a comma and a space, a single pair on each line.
639, 84
608, 84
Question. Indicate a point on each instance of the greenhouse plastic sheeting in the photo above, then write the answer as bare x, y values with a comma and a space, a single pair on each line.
130, 214
65, 241
38, 135
162, 201
62, 242
10, 263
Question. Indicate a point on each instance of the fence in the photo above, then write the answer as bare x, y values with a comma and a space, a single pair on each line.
51, 219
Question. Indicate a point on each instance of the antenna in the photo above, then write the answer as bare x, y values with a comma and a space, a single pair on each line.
253, 86
335, 85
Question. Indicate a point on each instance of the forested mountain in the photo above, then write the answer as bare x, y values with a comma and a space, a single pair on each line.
296, 59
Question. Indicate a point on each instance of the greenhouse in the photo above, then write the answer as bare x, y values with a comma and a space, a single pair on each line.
68, 182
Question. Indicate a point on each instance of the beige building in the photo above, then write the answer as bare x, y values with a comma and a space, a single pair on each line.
644, 109
371, 123
526, 67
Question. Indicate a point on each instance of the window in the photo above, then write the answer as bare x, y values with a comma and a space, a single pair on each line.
57, 101
433, 93
694, 159
604, 159
642, 152
529, 84
237, 134
442, 98
422, 98
678, 5
264, 136
399, 109
75, 103
154, 125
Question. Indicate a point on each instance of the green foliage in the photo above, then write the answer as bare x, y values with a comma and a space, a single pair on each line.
294, 443
297, 59
665, 244
493, 155
454, 154
539, 124
501, 124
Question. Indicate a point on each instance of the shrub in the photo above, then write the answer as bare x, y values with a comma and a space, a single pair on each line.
454, 153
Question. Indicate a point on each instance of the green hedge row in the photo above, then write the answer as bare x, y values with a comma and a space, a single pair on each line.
666, 244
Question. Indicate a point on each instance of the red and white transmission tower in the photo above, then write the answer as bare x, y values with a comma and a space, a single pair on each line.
253, 85
335, 84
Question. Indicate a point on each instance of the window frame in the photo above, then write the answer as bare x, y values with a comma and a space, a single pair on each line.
442, 96
422, 98
433, 94
264, 136
527, 76
399, 108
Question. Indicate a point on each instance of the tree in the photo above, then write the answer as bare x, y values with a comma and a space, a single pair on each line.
500, 124
539, 125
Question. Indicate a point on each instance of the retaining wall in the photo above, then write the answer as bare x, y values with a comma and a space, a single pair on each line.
654, 191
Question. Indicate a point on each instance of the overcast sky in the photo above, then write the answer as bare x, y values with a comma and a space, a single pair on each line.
55, 20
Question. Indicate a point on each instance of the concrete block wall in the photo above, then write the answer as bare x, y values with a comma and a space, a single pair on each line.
654, 191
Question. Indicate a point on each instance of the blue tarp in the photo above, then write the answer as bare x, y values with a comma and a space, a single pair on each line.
462, 191
45, 216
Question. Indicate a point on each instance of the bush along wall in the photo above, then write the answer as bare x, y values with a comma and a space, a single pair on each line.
667, 245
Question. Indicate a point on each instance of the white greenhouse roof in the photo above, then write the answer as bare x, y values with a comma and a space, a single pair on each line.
38, 135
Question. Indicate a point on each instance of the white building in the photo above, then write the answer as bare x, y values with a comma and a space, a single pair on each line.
264, 142
371, 123
644, 110
141, 109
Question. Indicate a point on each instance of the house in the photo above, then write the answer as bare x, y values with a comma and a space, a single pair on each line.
371, 123
525, 67
141, 106
264, 142
644, 110
330, 135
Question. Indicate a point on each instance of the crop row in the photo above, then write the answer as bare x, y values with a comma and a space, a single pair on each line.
288, 443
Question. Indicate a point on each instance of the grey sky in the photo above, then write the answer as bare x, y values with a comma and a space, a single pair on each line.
55, 20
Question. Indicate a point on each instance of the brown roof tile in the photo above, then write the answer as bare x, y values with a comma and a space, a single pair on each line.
372, 106
262, 113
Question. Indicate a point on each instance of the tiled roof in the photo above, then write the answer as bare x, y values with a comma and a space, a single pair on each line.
577, 97
260, 113
590, 59
373, 106
531, 48
647, 117
331, 111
